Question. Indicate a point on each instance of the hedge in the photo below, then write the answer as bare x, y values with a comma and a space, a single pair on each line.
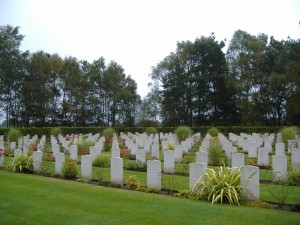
203, 129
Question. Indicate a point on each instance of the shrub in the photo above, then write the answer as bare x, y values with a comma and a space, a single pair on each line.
293, 177
222, 185
22, 163
213, 132
55, 131
183, 132
133, 183
70, 169
288, 133
124, 153
133, 165
108, 132
14, 134
216, 155
151, 130
102, 161
84, 147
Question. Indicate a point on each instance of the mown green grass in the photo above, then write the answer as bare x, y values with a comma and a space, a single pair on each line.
34, 200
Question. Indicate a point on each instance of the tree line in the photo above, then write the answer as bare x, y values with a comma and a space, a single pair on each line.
256, 82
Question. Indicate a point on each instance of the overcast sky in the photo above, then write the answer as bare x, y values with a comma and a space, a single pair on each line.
137, 34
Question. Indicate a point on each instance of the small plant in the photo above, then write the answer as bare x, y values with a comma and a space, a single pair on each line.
70, 169
213, 132
49, 157
216, 155
14, 134
108, 132
124, 153
289, 133
151, 130
223, 185
183, 132
133, 165
22, 163
253, 162
293, 177
170, 147
84, 147
184, 193
133, 183
102, 161
55, 131
170, 183
280, 191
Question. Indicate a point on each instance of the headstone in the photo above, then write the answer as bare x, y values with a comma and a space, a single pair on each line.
115, 152
73, 152
295, 155
17, 153
202, 157
59, 160
55, 149
263, 156
154, 174
238, 160
94, 151
279, 167
169, 162
178, 153
250, 182
279, 148
1, 154
37, 161
252, 150
116, 173
196, 170
12, 145
86, 167
155, 151
141, 156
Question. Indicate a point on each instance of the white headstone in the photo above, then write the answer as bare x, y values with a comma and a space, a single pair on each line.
169, 162
115, 152
141, 156
155, 151
279, 148
196, 171
295, 155
17, 153
252, 150
86, 167
37, 161
116, 173
59, 160
263, 156
279, 167
1, 155
178, 153
154, 174
12, 145
73, 152
238, 160
250, 182
202, 157
94, 151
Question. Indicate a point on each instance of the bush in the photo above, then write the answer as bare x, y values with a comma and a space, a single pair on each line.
288, 133
216, 155
22, 163
133, 183
222, 185
151, 130
183, 132
108, 132
133, 165
70, 169
125, 153
55, 131
213, 132
84, 147
293, 177
102, 161
14, 134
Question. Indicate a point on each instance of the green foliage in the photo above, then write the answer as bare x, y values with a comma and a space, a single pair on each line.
133, 165
183, 132
70, 169
102, 161
213, 131
293, 177
133, 183
220, 185
22, 163
288, 133
151, 130
184, 193
55, 131
14, 134
108, 132
216, 155
170, 147
84, 147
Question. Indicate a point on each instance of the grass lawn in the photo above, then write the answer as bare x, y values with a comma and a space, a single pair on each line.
31, 199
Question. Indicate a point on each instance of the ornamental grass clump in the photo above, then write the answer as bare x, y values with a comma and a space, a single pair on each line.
14, 134
102, 161
213, 132
22, 163
55, 131
183, 132
289, 133
220, 185
70, 169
